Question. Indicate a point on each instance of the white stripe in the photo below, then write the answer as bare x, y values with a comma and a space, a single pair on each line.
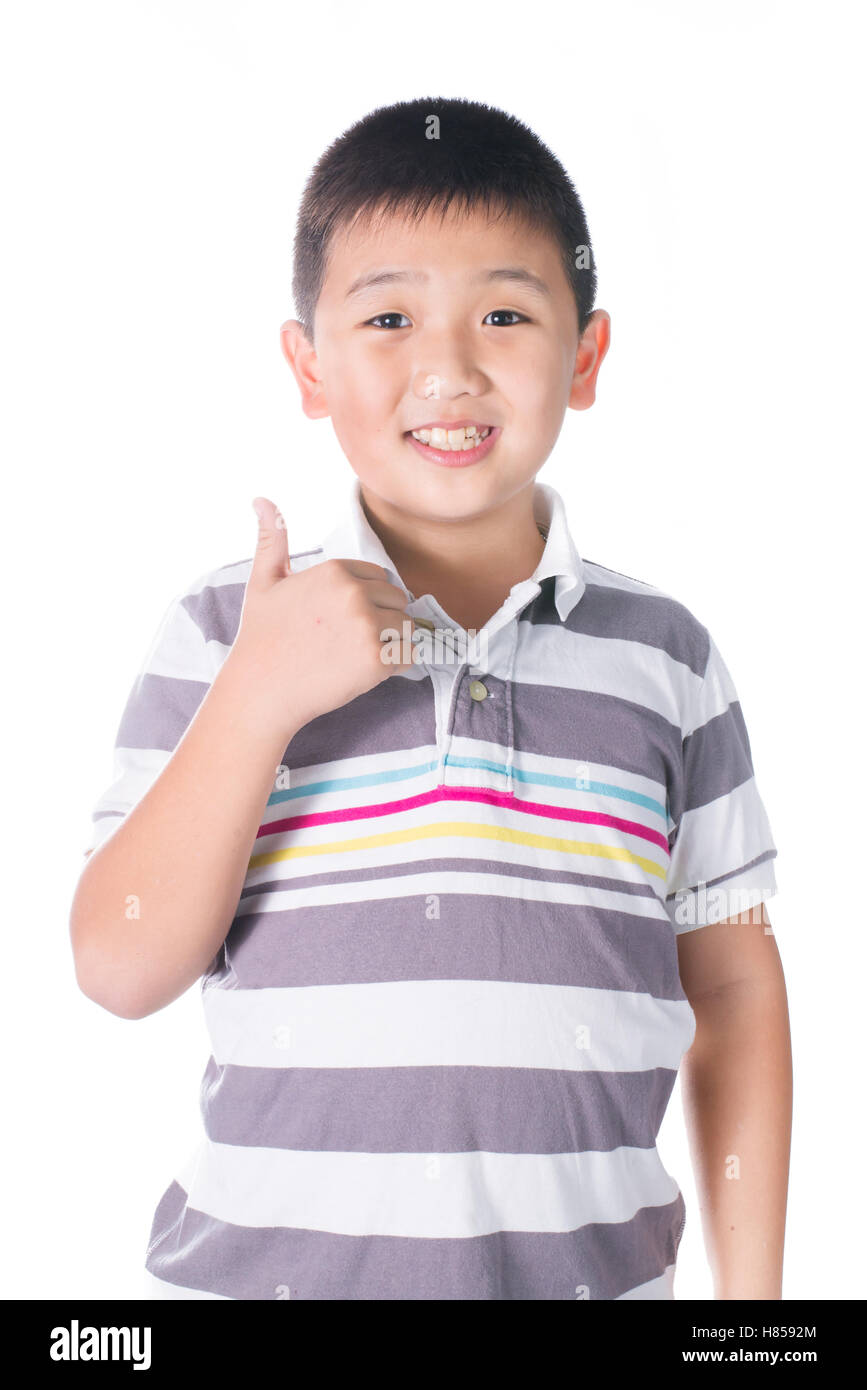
186, 1171
714, 695
179, 649
548, 765
370, 765
740, 893
457, 847
662, 1287
134, 772
445, 811
621, 667
380, 764
218, 578
446, 881
720, 837
427, 1196
102, 830
447, 1023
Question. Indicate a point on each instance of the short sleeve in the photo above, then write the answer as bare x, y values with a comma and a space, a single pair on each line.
172, 681
722, 849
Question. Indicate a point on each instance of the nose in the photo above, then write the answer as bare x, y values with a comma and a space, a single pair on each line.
447, 369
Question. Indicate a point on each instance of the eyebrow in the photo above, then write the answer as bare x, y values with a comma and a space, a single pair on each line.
515, 274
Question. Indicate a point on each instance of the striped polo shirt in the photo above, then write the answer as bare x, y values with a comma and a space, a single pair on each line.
447, 1018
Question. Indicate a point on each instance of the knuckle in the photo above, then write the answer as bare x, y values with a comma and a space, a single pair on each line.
329, 572
357, 600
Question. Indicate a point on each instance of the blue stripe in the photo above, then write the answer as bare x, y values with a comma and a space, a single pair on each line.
339, 784
550, 779
402, 774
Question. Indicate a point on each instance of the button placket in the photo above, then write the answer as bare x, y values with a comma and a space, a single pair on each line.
441, 688
482, 709
510, 707
474, 704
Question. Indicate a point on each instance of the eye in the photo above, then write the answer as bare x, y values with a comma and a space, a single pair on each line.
391, 315
520, 318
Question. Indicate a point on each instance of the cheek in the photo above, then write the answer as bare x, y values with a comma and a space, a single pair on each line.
369, 394
365, 418
537, 392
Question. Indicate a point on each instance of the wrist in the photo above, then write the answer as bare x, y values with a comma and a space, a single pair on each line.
252, 703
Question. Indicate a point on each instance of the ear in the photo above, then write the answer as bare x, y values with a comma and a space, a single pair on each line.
592, 348
301, 356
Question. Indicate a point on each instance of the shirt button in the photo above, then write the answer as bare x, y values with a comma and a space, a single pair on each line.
478, 690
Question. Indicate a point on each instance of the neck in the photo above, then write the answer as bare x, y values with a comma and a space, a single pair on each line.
468, 565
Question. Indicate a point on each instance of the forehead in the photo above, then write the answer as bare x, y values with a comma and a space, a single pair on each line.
456, 242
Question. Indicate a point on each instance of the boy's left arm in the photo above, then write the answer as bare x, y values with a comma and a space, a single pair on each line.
736, 1084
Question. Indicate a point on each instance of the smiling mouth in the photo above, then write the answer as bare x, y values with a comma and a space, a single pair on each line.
454, 441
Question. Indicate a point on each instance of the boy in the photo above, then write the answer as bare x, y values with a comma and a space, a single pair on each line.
435, 809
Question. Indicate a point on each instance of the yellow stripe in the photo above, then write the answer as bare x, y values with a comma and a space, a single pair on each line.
466, 829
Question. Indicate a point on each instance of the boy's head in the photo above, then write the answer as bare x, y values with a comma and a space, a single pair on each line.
443, 273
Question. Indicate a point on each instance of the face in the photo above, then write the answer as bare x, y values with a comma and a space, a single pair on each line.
465, 321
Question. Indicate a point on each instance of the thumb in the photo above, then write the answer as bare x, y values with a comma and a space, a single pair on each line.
271, 560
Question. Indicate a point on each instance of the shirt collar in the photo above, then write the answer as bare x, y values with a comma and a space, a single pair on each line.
560, 557
353, 538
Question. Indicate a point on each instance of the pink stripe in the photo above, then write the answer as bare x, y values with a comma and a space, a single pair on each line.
491, 798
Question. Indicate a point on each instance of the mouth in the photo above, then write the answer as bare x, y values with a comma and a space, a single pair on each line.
454, 446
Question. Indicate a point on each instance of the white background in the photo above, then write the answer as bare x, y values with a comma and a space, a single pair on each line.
153, 158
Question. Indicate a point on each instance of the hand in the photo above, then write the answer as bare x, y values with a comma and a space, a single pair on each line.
311, 642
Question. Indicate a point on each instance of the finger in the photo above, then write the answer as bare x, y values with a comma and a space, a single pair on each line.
392, 631
271, 560
384, 595
365, 569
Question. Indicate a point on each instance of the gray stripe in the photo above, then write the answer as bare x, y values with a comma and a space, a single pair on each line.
216, 611
712, 882
398, 716
248, 560
716, 759
429, 1110
492, 719
395, 716
649, 619
158, 711
476, 937
586, 726
610, 1258
294, 555
349, 877
216, 608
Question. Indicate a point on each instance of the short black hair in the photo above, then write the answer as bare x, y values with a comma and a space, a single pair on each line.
482, 156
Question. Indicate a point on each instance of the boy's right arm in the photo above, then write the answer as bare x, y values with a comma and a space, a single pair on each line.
307, 643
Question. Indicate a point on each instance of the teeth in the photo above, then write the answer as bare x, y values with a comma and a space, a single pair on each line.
455, 441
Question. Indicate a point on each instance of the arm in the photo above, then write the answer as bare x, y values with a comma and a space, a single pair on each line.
182, 852
155, 901
737, 1096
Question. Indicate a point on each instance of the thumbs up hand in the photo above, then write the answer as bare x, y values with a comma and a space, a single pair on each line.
311, 641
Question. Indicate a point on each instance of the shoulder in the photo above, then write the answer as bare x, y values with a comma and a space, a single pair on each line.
620, 606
